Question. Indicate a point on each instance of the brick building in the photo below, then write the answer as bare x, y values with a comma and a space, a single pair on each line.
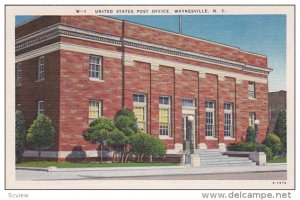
77, 68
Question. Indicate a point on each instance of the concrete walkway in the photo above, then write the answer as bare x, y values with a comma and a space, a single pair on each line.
62, 173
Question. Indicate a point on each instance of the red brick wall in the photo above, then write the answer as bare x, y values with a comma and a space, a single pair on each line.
31, 91
77, 90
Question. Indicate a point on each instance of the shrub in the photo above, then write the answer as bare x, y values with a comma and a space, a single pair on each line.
99, 130
20, 135
40, 134
247, 146
126, 124
251, 135
146, 145
280, 129
267, 151
126, 112
273, 142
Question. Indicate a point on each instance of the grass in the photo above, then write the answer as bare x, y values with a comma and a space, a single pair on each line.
278, 159
45, 164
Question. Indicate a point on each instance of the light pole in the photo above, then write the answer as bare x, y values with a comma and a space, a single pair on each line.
256, 122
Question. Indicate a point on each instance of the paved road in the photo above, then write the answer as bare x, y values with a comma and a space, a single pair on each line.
90, 175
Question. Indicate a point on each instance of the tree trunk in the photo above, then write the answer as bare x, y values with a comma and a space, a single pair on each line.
101, 153
126, 157
150, 158
142, 158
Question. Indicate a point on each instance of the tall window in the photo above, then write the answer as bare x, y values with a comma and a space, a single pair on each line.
251, 90
41, 70
252, 117
228, 119
210, 119
41, 107
94, 110
95, 67
140, 110
165, 116
18, 74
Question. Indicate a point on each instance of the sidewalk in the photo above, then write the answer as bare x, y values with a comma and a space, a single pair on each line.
156, 171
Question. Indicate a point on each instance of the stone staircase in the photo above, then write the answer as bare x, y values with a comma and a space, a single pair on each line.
214, 158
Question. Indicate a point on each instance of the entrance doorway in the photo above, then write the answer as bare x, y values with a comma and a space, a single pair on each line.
188, 133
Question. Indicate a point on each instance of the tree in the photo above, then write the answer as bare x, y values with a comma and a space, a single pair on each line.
20, 135
273, 142
251, 135
126, 122
40, 134
104, 131
280, 129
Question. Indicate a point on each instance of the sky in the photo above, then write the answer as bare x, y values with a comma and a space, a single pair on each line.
262, 34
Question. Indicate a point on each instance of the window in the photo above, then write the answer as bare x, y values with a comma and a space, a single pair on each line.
18, 74
251, 90
252, 117
41, 107
140, 110
210, 118
95, 67
228, 119
164, 116
41, 70
188, 103
94, 110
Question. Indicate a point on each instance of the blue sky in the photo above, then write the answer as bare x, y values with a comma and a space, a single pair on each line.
262, 34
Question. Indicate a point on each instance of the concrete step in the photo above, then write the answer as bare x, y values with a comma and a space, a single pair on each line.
227, 165
224, 159
226, 162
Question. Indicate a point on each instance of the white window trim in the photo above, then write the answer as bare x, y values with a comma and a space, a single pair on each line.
142, 104
18, 75
39, 107
99, 109
253, 90
100, 78
254, 116
232, 123
189, 107
212, 110
40, 77
166, 106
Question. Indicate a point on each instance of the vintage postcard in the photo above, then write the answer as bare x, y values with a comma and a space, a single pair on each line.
150, 97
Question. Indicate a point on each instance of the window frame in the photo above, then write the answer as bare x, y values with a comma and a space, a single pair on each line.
41, 68
40, 110
231, 125
100, 64
193, 106
18, 74
163, 106
251, 90
212, 119
139, 104
252, 120
100, 107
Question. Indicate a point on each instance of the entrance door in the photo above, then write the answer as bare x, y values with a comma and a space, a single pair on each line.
188, 133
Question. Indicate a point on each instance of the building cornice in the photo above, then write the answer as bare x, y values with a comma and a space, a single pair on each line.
131, 58
57, 30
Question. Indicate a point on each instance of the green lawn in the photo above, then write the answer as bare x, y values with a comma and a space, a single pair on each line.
45, 164
278, 160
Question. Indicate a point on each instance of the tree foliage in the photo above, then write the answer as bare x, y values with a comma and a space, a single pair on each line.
251, 135
274, 143
280, 129
40, 134
20, 135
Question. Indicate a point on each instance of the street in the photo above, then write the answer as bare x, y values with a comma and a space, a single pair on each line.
92, 175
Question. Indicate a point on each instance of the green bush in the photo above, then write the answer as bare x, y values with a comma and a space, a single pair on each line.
280, 129
251, 135
40, 134
126, 112
146, 145
273, 142
267, 150
99, 130
247, 146
20, 135
126, 124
